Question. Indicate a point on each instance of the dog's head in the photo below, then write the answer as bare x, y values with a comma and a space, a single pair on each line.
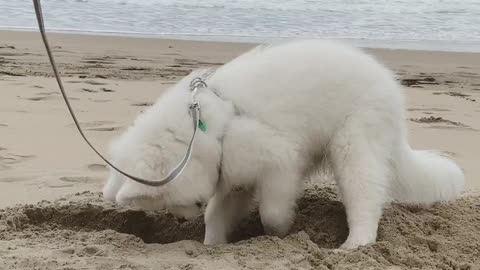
155, 144
184, 197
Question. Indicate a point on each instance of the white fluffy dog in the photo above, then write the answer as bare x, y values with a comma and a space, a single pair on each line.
269, 113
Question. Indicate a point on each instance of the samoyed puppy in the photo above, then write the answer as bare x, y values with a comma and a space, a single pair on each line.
268, 114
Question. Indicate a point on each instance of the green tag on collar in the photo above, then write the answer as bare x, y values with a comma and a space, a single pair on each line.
202, 126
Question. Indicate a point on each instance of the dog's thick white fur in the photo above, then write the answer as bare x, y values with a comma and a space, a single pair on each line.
295, 101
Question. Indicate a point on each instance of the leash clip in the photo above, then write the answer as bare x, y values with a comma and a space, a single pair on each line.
196, 84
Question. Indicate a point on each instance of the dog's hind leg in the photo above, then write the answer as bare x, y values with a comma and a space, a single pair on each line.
360, 163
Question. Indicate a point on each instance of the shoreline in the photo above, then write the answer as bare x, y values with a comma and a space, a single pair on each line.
409, 45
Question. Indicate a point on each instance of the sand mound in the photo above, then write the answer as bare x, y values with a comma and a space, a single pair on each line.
84, 232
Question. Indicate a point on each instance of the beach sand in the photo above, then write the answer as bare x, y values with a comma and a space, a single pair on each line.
53, 217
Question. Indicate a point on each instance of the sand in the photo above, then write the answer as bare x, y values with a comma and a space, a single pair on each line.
53, 216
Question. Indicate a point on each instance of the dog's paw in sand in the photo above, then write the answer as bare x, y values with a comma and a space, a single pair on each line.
268, 113
355, 243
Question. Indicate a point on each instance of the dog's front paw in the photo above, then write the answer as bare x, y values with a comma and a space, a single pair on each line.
214, 239
355, 243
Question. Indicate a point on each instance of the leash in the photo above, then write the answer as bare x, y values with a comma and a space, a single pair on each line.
194, 110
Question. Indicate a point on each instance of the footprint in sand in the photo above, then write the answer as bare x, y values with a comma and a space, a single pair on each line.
136, 68
433, 119
91, 82
5, 46
3, 125
14, 179
49, 97
428, 109
19, 54
98, 126
142, 104
59, 185
47, 93
141, 59
3, 167
419, 82
13, 74
93, 124
18, 83
69, 181
97, 61
42, 98
10, 158
89, 90
445, 123
456, 94
97, 167
101, 100
80, 179
466, 74
107, 90
451, 93
103, 129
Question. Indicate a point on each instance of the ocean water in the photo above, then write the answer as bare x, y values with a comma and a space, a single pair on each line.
415, 24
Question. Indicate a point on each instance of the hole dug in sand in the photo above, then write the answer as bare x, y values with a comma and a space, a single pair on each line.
88, 212
84, 232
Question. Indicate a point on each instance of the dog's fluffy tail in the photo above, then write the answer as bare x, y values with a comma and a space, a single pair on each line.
426, 177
